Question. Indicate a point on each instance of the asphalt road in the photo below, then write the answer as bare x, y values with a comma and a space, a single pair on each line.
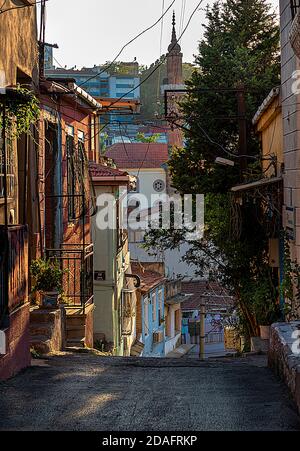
86, 392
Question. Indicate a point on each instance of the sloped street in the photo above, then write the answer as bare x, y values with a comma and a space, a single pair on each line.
87, 392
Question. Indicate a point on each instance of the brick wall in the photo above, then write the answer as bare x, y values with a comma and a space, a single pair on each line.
18, 352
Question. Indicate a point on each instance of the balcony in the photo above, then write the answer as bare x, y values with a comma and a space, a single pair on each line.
77, 261
13, 268
295, 34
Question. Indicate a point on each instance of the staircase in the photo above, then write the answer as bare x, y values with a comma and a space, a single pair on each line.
47, 330
79, 328
76, 331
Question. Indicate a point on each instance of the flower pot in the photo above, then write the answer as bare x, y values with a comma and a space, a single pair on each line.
265, 332
50, 300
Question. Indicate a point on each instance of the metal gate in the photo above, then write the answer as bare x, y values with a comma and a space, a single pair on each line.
77, 262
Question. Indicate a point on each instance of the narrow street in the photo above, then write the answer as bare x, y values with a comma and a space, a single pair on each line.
87, 392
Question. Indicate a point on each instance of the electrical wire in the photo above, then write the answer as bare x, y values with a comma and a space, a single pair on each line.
105, 69
163, 59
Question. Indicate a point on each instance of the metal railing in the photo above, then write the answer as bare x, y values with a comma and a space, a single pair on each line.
13, 268
77, 262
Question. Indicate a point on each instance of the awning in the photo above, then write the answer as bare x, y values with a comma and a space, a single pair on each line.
257, 184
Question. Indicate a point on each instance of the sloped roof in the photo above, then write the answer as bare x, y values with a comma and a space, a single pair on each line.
99, 170
139, 155
205, 292
149, 279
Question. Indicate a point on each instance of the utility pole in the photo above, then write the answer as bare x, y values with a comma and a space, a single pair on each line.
243, 151
202, 332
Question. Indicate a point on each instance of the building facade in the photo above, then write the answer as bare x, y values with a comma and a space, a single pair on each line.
150, 320
289, 20
114, 290
69, 139
18, 66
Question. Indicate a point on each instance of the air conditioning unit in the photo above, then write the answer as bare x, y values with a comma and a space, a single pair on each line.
158, 337
2, 343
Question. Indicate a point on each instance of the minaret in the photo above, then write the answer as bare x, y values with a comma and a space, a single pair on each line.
174, 59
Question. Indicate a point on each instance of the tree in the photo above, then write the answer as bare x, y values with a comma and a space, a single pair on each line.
240, 48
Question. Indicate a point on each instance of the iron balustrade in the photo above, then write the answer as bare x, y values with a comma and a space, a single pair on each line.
77, 262
13, 268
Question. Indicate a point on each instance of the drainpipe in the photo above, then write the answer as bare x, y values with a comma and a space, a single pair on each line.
57, 189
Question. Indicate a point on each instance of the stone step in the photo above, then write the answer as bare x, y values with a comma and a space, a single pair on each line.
42, 316
41, 329
40, 344
74, 321
76, 343
75, 332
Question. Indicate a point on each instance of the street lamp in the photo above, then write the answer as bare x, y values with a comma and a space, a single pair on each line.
224, 162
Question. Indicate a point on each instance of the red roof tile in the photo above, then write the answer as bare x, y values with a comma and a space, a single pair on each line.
208, 293
98, 170
149, 279
139, 155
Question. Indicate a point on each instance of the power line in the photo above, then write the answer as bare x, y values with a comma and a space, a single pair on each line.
163, 59
126, 45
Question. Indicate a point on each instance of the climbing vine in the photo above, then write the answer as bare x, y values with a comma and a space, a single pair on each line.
290, 286
21, 112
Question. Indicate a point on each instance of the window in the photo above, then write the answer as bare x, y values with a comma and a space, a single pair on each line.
10, 177
146, 315
160, 306
178, 320
159, 186
295, 4
71, 177
124, 86
128, 95
154, 307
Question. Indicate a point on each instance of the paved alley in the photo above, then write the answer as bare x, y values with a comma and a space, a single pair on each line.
87, 392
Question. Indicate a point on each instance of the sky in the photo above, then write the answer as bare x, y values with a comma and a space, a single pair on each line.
92, 32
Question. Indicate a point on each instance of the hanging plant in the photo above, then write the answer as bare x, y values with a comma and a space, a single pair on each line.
21, 111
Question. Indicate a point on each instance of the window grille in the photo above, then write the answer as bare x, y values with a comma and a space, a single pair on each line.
295, 4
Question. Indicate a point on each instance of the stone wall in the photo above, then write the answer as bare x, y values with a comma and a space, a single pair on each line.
282, 360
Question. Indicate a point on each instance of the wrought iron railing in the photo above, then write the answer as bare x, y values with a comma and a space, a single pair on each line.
77, 262
13, 268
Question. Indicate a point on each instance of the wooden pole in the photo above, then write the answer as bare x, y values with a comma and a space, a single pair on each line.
202, 332
243, 151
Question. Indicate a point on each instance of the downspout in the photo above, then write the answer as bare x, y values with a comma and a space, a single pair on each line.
57, 189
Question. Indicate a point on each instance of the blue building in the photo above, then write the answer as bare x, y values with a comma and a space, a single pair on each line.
150, 320
121, 80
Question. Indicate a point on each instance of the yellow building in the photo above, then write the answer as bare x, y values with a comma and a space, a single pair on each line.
114, 290
268, 124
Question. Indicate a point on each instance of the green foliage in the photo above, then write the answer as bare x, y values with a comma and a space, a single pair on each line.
22, 111
47, 276
290, 286
240, 48
151, 139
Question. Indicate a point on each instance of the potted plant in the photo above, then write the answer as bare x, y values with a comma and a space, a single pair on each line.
266, 307
268, 314
48, 277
